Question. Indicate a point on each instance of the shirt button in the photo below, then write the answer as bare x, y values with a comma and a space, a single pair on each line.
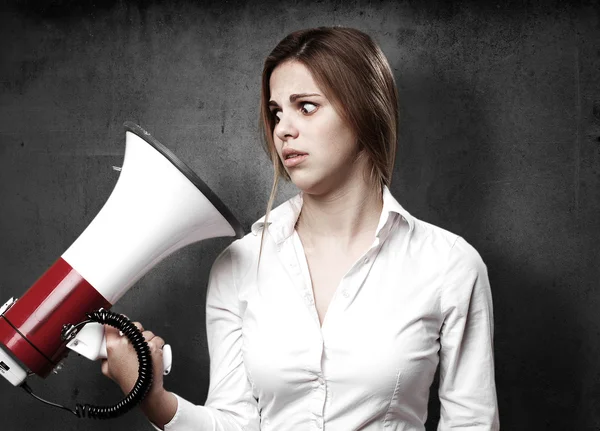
366, 260
321, 381
345, 294
319, 424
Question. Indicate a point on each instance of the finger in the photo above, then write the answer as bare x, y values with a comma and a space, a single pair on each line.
139, 326
110, 334
110, 330
157, 342
148, 335
104, 368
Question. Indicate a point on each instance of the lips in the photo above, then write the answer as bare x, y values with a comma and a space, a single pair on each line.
288, 153
292, 157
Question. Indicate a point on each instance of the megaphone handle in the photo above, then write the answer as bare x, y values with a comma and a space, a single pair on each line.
91, 343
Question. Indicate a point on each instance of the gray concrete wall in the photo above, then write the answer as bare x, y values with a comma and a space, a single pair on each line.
500, 129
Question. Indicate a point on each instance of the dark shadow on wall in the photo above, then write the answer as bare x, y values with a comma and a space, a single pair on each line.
538, 348
445, 161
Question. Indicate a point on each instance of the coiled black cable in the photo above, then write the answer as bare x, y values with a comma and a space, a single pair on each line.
143, 382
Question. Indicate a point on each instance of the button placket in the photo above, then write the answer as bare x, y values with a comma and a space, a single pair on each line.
358, 273
319, 398
308, 298
288, 256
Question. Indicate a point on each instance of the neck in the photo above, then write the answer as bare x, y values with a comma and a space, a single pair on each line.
344, 214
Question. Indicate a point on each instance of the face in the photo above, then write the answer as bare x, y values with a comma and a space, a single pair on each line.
316, 146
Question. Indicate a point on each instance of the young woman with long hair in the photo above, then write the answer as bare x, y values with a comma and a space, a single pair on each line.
335, 311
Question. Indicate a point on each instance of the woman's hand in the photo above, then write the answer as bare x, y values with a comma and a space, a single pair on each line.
121, 364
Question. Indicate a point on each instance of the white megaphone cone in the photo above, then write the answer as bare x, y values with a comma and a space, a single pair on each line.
157, 207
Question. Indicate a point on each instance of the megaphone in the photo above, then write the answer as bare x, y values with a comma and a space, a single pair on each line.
158, 206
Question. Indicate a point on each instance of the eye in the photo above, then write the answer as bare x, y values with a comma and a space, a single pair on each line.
308, 107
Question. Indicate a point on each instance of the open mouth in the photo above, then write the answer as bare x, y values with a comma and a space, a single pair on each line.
292, 159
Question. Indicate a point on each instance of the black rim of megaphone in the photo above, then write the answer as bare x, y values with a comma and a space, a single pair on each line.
190, 174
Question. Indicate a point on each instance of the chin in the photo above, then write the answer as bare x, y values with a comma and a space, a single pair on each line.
305, 184
313, 185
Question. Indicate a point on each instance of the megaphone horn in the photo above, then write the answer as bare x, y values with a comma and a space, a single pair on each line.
158, 206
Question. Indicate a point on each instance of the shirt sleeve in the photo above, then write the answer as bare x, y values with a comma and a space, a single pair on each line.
467, 388
230, 405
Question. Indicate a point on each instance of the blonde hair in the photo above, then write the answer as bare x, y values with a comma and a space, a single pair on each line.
352, 71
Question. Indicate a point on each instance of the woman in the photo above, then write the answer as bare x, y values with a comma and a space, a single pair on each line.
336, 309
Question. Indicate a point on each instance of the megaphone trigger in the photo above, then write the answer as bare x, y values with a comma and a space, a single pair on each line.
167, 359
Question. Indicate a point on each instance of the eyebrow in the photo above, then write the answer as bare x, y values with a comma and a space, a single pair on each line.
294, 97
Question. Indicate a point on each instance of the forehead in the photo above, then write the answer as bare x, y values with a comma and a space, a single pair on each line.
291, 77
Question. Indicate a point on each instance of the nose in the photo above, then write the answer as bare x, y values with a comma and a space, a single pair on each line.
285, 129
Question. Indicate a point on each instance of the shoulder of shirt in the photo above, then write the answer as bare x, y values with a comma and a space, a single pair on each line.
457, 250
456, 260
250, 242
239, 255
282, 219
243, 252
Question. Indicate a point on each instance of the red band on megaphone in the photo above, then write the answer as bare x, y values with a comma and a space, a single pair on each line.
33, 326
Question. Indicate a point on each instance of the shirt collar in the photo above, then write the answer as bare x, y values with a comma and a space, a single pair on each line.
282, 219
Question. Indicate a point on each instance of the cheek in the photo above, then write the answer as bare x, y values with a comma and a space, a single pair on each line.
342, 141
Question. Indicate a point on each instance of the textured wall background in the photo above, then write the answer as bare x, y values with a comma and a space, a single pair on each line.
500, 136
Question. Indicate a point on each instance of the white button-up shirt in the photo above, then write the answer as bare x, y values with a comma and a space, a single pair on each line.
418, 297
